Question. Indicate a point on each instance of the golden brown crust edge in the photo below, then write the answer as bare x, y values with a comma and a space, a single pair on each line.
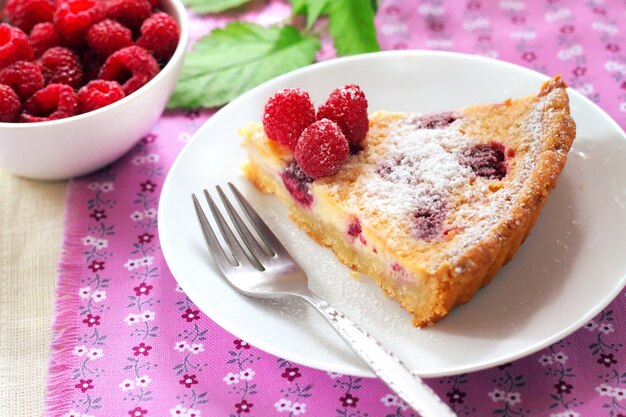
481, 263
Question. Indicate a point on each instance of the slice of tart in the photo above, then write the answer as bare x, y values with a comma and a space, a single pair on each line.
429, 206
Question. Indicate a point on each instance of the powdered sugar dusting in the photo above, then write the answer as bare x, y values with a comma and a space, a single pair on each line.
535, 125
416, 177
419, 168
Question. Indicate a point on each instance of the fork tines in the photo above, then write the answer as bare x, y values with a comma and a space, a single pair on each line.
257, 254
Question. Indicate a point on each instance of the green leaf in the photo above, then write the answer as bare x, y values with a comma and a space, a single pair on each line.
298, 6
313, 9
230, 61
213, 6
352, 27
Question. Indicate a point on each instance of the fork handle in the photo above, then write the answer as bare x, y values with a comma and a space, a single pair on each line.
383, 363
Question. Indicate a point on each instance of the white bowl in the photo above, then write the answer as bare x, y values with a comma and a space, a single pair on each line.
80, 144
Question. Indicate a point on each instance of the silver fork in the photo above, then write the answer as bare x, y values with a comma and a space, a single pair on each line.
271, 272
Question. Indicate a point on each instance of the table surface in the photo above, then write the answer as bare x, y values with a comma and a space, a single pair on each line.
31, 224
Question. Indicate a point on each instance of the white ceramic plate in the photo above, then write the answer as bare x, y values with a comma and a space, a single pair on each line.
571, 266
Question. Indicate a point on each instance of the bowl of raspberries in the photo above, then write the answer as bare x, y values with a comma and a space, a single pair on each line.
82, 80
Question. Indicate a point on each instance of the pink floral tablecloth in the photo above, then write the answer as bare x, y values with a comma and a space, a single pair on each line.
128, 342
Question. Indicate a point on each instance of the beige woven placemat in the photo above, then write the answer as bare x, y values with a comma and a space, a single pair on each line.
31, 221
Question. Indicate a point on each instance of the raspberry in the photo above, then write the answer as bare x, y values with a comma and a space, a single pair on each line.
355, 231
132, 67
287, 113
130, 13
322, 149
99, 93
54, 101
436, 120
24, 77
27, 13
159, 35
61, 65
73, 19
486, 160
10, 106
14, 46
347, 106
298, 184
428, 221
44, 36
108, 36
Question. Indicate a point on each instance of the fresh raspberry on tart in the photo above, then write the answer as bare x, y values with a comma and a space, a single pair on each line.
287, 113
322, 149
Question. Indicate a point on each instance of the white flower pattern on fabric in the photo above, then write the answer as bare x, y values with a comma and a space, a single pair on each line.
93, 186
95, 353
132, 319
606, 328
98, 296
79, 350
132, 264
231, 378
127, 385
89, 241
143, 381
334, 375
545, 360
389, 400
196, 348
150, 213
138, 160
246, 374
84, 292
136, 216
136, 263
283, 405
147, 315
513, 398
298, 408
153, 158
604, 390
72, 413
591, 325
560, 357
105, 187
619, 393
178, 411
102, 243
497, 395
181, 346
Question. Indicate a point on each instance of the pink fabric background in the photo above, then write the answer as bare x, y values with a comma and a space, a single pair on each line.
128, 342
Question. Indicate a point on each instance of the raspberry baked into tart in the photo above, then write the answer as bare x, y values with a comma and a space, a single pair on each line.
429, 206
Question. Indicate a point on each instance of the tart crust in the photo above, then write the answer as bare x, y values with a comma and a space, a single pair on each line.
436, 287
